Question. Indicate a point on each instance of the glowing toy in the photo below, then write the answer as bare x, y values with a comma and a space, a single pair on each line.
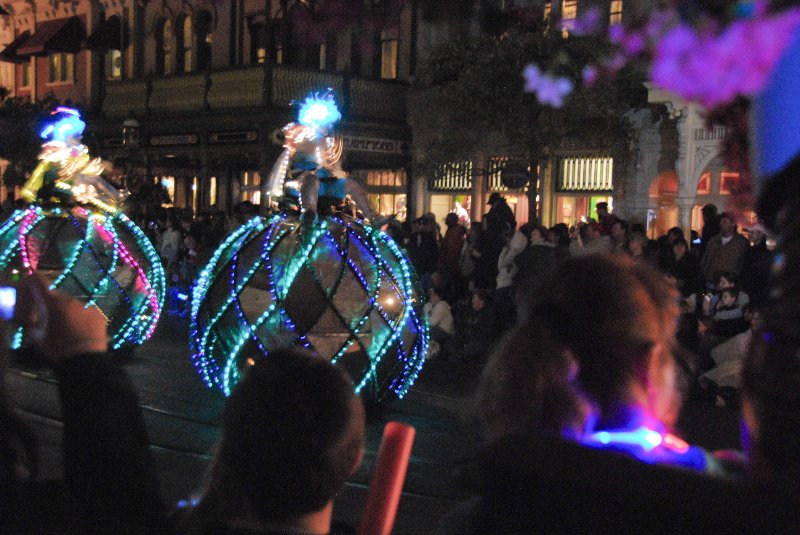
76, 238
650, 446
313, 277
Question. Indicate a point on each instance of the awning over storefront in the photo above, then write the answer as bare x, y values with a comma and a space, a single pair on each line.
11, 52
109, 35
60, 35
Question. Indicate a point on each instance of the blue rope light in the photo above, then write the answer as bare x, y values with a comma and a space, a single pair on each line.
355, 277
99, 248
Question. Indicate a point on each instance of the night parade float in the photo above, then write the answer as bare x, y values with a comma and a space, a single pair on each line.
75, 235
312, 275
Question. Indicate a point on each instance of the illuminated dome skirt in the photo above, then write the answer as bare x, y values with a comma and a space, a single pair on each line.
102, 259
336, 286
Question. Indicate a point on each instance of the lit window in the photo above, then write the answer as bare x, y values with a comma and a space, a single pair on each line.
212, 191
185, 36
388, 55
453, 176
384, 204
27, 73
728, 182
323, 56
382, 177
704, 184
169, 184
7, 75
615, 10
569, 12
164, 48
250, 189
258, 43
113, 65
586, 174
61, 68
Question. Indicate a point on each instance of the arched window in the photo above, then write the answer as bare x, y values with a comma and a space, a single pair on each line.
165, 52
184, 38
205, 37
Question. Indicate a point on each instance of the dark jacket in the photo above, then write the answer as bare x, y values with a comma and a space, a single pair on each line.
109, 483
757, 271
500, 219
540, 484
534, 264
423, 251
718, 258
687, 272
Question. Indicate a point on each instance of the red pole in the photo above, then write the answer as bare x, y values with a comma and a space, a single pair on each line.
383, 496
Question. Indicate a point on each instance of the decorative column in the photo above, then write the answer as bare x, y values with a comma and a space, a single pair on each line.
642, 166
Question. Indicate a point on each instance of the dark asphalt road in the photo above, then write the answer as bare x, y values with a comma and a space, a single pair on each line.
181, 416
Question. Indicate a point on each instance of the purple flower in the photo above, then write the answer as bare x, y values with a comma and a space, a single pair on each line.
589, 75
616, 34
549, 90
712, 69
587, 23
533, 78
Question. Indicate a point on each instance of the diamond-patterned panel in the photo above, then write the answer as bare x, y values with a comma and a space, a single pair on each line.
324, 285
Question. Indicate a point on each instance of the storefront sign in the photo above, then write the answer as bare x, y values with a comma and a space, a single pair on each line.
173, 139
374, 144
241, 136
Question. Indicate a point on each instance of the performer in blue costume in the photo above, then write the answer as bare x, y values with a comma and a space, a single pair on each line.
310, 165
315, 275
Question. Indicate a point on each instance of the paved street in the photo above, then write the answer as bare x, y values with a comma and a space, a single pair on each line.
181, 415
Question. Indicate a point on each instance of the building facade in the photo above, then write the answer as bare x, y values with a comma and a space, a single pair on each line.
203, 87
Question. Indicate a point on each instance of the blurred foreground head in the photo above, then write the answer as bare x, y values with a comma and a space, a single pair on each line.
292, 433
592, 344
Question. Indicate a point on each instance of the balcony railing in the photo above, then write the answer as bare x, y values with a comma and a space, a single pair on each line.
244, 88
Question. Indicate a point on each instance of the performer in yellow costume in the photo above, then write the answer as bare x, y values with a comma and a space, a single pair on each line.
66, 174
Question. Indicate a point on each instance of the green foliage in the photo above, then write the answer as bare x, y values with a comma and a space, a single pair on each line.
469, 98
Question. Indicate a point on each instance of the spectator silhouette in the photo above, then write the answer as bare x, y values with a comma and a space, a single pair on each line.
109, 480
591, 353
725, 251
292, 433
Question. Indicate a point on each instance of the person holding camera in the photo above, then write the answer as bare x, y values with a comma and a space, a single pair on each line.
109, 482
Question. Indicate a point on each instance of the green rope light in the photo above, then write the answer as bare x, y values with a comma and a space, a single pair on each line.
103, 259
336, 286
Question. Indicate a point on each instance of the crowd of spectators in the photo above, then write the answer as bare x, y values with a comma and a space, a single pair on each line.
493, 267
185, 242
597, 322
